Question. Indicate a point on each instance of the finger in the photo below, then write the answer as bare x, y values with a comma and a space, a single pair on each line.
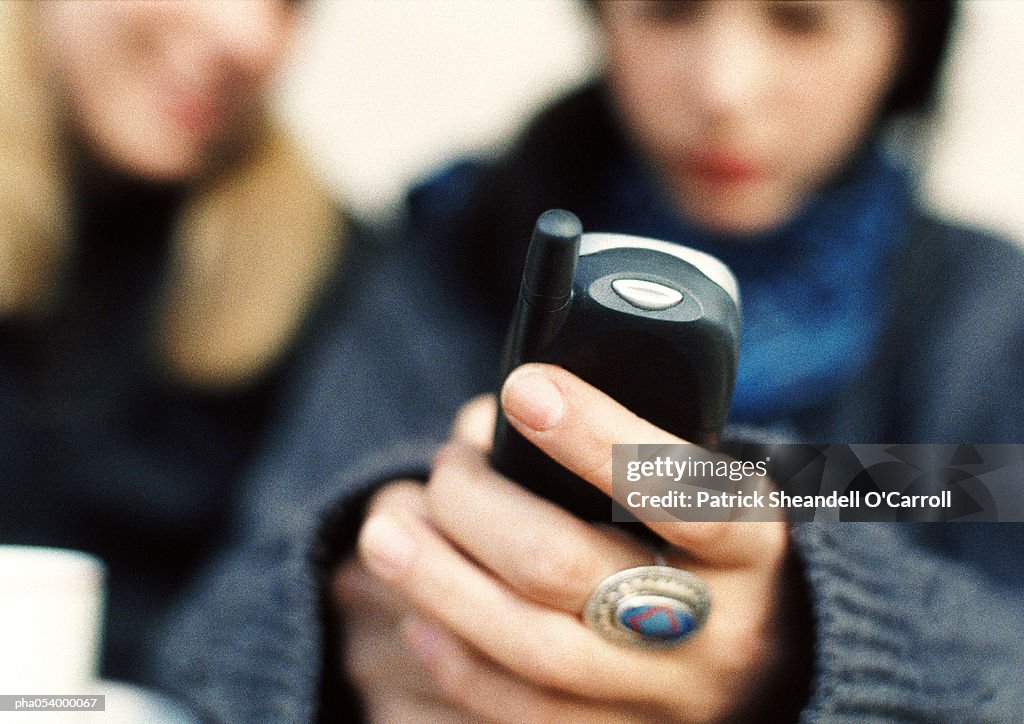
401, 498
549, 648
388, 708
370, 617
474, 425
547, 555
577, 425
471, 682
354, 589
357, 591
379, 663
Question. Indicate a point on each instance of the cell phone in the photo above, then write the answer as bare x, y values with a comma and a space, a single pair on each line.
653, 324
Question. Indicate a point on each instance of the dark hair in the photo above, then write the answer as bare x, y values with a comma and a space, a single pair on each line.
927, 31
928, 26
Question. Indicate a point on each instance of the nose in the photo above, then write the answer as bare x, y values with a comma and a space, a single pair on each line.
733, 68
251, 35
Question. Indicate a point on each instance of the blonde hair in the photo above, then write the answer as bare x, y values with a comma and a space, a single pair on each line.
251, 248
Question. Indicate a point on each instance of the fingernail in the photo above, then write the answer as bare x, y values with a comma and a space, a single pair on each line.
389, 547
532, 399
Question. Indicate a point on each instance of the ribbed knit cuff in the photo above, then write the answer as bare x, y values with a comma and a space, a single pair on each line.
902, 634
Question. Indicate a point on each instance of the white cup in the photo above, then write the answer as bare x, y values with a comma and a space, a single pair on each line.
51, 603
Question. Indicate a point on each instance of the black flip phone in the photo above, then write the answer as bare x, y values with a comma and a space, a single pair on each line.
654, 325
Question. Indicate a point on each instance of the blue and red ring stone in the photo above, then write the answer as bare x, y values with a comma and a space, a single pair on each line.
650, 606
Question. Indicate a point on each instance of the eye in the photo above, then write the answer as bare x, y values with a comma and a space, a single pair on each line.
670, 12
800, 19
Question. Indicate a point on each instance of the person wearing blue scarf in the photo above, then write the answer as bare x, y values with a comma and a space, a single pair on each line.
862, 322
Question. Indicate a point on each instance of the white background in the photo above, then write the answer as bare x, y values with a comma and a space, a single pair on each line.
382, 90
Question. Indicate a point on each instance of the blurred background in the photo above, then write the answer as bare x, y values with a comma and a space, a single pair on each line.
380, 91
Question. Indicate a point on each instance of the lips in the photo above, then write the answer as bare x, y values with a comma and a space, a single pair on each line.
197, 113
720, 168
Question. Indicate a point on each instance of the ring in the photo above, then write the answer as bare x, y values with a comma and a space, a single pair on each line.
650, 606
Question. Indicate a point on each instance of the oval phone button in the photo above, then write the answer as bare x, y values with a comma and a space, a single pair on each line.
647, 295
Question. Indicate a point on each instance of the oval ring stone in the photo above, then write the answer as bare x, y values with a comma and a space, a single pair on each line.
656, 618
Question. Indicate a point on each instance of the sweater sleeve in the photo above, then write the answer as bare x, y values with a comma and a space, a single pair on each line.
906, 634
253, 643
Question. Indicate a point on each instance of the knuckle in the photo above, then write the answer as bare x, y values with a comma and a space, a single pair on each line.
397, 495
551, 667
455, 676
360, 663
700, 535
454, 465
556, 568
746, 652
775, 543
445, 486
738, 662
593, 455
475, 418
545, 660
710, 533
444, 474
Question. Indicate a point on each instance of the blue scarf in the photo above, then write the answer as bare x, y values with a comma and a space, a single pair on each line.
812, 291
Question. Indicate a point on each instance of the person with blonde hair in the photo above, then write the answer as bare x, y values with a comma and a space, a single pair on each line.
163, 248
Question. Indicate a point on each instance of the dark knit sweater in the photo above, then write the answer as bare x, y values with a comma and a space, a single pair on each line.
102, 451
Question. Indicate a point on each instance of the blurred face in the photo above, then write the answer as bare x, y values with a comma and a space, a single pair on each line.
745, 108
161, 89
